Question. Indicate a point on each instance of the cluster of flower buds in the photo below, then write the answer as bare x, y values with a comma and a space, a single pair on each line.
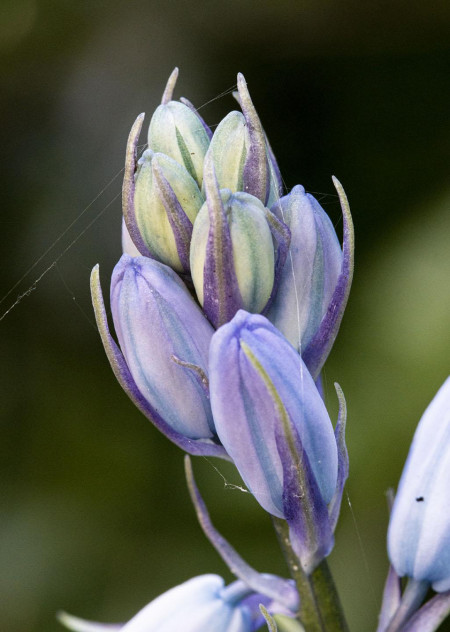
226, 303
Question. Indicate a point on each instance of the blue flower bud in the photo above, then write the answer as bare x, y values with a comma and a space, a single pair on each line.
166, 202
419, 528
201, 604
273, 423
177, 131
164, 340
316, 278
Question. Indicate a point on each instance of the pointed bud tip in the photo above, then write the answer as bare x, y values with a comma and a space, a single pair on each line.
242, 86
337, 185
170, 86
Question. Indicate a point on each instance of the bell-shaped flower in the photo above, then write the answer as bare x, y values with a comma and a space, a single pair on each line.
315, 281
238, 249
177, 131
201, 604
164, 339
419, 527
166, 202
273, 423
242, 157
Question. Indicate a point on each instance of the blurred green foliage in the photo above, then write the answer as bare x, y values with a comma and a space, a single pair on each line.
94, 514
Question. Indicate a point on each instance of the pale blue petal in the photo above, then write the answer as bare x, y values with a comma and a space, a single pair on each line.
419, 530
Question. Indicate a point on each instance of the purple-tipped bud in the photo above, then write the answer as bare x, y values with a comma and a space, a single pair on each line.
202, 604
177, 131
242, 157
166, 202
419, 528
315, 280
273, 423
157, 322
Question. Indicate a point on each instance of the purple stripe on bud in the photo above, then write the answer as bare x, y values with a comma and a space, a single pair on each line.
256, 170
305, 510
282, 238
179, 221
128, 188
320, 346
221, 296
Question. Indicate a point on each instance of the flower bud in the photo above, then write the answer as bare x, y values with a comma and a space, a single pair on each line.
163, 358
419, 528
232, 256
242, 157
166, 202
201, 604
273, 423
315, 280
176, 130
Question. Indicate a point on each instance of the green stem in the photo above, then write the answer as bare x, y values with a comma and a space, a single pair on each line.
320, 607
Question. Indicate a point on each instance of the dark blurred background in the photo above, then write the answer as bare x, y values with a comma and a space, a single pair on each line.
94, 513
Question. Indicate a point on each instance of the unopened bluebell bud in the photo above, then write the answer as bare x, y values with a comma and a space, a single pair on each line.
201, 604
273, 423
316, 277
241, 155
162, 363
176, 130
166, 202
232, 256
419, 528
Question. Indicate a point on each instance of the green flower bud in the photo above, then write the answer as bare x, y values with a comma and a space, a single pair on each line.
177, 131
228, 150
252, 251
167, 200
242, 157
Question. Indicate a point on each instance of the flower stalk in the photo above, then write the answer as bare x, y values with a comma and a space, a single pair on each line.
320, 606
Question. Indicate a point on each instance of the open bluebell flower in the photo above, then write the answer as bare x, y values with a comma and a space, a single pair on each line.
273, 423
315, 281
164, 341
419, 528
202, 604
